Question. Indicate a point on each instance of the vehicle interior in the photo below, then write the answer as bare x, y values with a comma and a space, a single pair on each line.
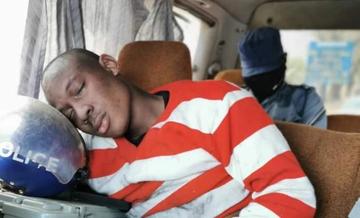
211, 31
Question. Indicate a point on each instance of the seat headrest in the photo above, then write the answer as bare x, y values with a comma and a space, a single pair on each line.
149, 64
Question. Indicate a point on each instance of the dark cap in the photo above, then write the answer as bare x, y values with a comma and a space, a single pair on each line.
260, 51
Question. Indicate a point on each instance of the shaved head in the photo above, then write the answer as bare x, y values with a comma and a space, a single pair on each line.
74, 60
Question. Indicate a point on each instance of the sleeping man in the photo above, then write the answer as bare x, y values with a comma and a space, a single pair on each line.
187, 149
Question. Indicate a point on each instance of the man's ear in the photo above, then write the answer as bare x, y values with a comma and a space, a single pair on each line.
109, 63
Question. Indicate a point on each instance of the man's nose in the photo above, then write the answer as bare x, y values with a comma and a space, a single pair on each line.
83, 112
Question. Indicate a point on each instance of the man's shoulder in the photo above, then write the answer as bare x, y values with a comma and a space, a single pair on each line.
93, 142
198, 87
299, 93
301, 89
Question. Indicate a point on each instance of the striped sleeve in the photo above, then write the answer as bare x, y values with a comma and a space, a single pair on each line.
255, 153
108, 165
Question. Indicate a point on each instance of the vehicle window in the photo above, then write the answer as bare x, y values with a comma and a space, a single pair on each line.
190, 26
12, 21
329, 60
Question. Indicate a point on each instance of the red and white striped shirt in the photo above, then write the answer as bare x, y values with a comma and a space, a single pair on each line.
213, 151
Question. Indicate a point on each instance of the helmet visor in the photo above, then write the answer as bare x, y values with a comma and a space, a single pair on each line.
32, 131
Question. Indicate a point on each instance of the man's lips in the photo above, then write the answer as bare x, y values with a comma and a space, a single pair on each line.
102, 123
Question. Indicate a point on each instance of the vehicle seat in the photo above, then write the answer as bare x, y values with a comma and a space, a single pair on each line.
331, 160
344, 123
231, 75
149, 64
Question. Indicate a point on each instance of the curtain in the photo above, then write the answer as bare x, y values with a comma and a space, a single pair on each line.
52, 27
110, 24
102, 26
33, 51
160, 24
64, 23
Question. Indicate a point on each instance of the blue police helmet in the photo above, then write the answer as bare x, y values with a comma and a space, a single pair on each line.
40, 150
260, 51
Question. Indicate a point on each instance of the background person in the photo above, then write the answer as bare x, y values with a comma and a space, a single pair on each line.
263, 64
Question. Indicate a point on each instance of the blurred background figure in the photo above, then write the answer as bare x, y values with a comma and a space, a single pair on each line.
263, 64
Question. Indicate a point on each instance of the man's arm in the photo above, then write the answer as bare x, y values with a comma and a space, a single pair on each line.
258, 156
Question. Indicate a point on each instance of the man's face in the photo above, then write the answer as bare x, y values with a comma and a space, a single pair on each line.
266, 84
93, 99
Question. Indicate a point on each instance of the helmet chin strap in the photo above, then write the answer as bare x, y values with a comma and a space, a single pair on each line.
11, 187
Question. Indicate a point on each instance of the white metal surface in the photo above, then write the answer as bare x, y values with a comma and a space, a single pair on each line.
18, 206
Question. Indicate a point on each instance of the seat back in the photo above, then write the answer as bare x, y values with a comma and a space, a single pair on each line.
331, 160
231, 75
344, 122
149, 64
